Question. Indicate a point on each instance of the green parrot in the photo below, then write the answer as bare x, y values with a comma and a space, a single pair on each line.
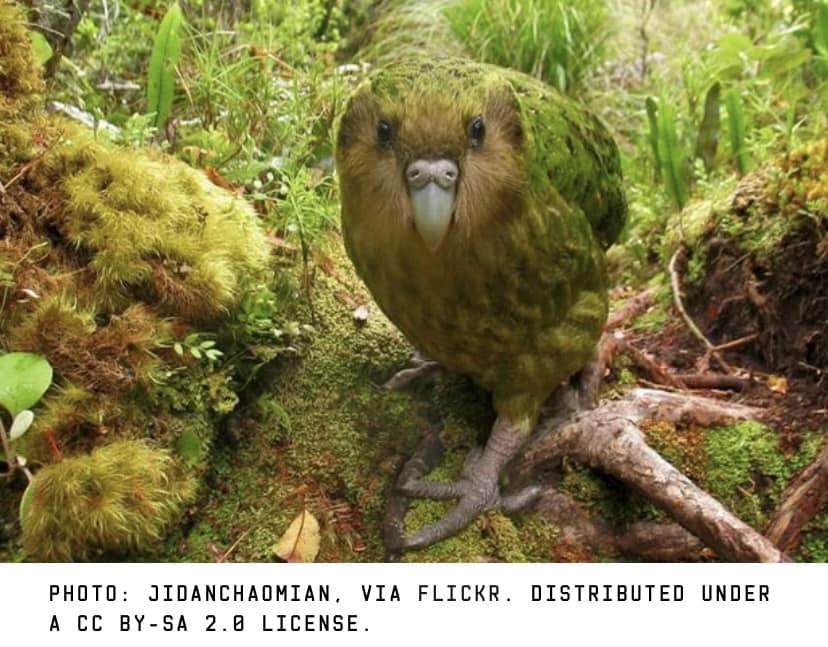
477, 203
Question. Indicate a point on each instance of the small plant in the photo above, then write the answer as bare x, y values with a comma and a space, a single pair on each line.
670, 154
197, 347
736, 129
24, 378
165, 53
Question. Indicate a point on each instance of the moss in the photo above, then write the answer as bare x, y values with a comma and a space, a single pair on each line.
605, 496
814, 547
118, 498
109, 256
684, 448
146, 221
747, 471
20, 80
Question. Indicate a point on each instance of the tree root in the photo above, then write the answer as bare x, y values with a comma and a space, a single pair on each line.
608, 438
806, 495
658, 542
606, 435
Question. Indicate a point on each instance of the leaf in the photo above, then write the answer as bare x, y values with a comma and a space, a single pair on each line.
710, 128
216, 178
300, 543
736, 129
672, 155
21, 423
778, 384
161, 74
190, 448
819, 34
24, 378
41, 47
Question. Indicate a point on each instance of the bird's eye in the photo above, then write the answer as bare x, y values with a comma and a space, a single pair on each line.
385, 134
476, 130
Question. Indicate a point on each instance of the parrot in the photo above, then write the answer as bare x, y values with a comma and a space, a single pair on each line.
477, 204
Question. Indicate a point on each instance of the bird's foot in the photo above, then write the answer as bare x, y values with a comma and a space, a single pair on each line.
421, 368
477, 489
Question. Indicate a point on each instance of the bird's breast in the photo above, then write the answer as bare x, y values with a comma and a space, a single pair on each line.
516, 312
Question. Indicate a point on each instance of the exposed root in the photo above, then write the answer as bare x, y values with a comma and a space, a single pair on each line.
609, 438
806, 495
675, 282
648, 540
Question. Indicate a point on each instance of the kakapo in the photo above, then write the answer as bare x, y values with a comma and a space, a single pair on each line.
477, 203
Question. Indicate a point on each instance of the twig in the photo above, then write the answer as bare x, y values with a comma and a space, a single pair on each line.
632, 308
691, 325
713, 381
223, 556
735, 343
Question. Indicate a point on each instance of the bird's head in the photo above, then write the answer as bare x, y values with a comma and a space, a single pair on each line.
431, 150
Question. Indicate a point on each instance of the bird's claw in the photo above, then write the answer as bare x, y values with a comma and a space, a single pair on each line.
475, 495
421, 368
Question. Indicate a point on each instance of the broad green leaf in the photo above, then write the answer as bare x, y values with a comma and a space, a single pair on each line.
41, 47
21, 423
24, 378
300, 543
710, 128
190, 448
161, 74
819, 33
674, 166
736, 129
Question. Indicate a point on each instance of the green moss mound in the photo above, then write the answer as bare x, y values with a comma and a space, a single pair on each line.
147, 223
127, 270
127, 493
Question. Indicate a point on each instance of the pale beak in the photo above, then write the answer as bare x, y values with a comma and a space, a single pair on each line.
432, 187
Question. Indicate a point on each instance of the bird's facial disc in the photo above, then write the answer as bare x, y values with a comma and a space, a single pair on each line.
432, 188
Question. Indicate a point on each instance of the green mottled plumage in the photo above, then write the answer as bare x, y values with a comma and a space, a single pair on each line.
516, 294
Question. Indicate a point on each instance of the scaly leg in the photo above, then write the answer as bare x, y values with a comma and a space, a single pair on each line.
477, 489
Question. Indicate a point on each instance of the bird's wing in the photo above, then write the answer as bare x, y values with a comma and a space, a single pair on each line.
571, 150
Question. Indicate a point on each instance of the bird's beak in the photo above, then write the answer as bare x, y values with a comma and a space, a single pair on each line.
432, 187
